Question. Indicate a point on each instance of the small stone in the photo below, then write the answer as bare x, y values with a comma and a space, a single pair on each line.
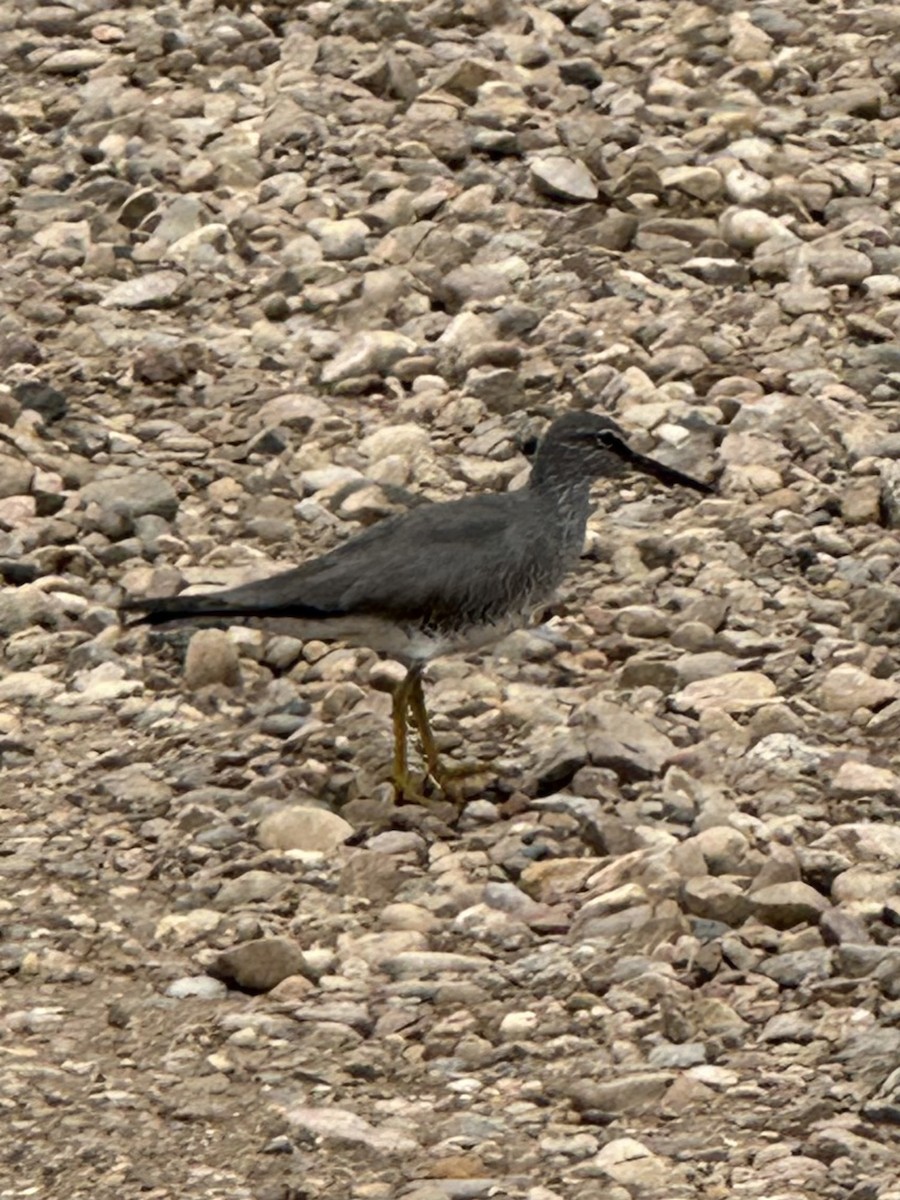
373, 352
182, 929
724, 849
157, 289
746, 187
370, 874
260, 964
747, 228
518, 1026
211, 658
704, 183
619, 1150
41, 398
838, 264
861, 503
716, 899
347, 1127
22, 686
15, 476
862, 779
798, 299
736, 692
250, 888
846, 688
302, 827
563, 178
632, 1093
124, 498
342, 239
197, 987
882, 287
642, 621
74, 62
797, 968
784, 905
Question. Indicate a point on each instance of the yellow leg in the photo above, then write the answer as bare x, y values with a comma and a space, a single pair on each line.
423, 725
398, 714
442, 776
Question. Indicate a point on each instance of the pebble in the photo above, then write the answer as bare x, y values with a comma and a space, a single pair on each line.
156, 289
784, 905
341, 239
563, 178
196, 987
260, 964
846, 688
303, 827
735, 691
211, 658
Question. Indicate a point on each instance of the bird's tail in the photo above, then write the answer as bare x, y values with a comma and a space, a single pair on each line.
157, 610
280, 595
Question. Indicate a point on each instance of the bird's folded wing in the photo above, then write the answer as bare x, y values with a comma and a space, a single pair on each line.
438, 562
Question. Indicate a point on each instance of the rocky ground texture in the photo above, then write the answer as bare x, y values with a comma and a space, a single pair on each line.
273, 271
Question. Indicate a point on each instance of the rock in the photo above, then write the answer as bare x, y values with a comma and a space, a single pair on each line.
640, 620
156, 289
123, 498
15, 476
375, 876
704, 183
862, 779
630, 1093
73, 62
784, 905
863, 842
846, 688
211, 658
518, 1026
183, 929
41, 398
260, 964
21, 686
725, 850
838, 264
302, 827
196, 987
797, 968
563, 178
735, 692
249, 888
342, 239
799, 299
747, 228
716, 900
344, 1127
409, 440
373, 352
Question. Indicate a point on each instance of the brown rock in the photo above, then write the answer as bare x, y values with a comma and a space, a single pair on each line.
302, 827
211, 658
261, 964
783, 905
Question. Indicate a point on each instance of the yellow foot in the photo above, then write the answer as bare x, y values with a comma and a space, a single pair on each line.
407, 792
447, 779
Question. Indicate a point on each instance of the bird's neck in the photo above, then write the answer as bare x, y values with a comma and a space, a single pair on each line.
570, 498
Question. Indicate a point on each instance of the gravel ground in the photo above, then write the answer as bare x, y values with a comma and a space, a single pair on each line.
273, 271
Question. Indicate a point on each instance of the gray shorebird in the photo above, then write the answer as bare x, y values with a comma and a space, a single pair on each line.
452, 576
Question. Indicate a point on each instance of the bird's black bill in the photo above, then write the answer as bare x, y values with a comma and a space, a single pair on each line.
649, 466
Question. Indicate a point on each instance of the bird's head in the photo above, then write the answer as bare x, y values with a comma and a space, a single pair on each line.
591, 445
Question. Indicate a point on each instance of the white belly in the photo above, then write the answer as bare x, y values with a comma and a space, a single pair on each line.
410, 645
